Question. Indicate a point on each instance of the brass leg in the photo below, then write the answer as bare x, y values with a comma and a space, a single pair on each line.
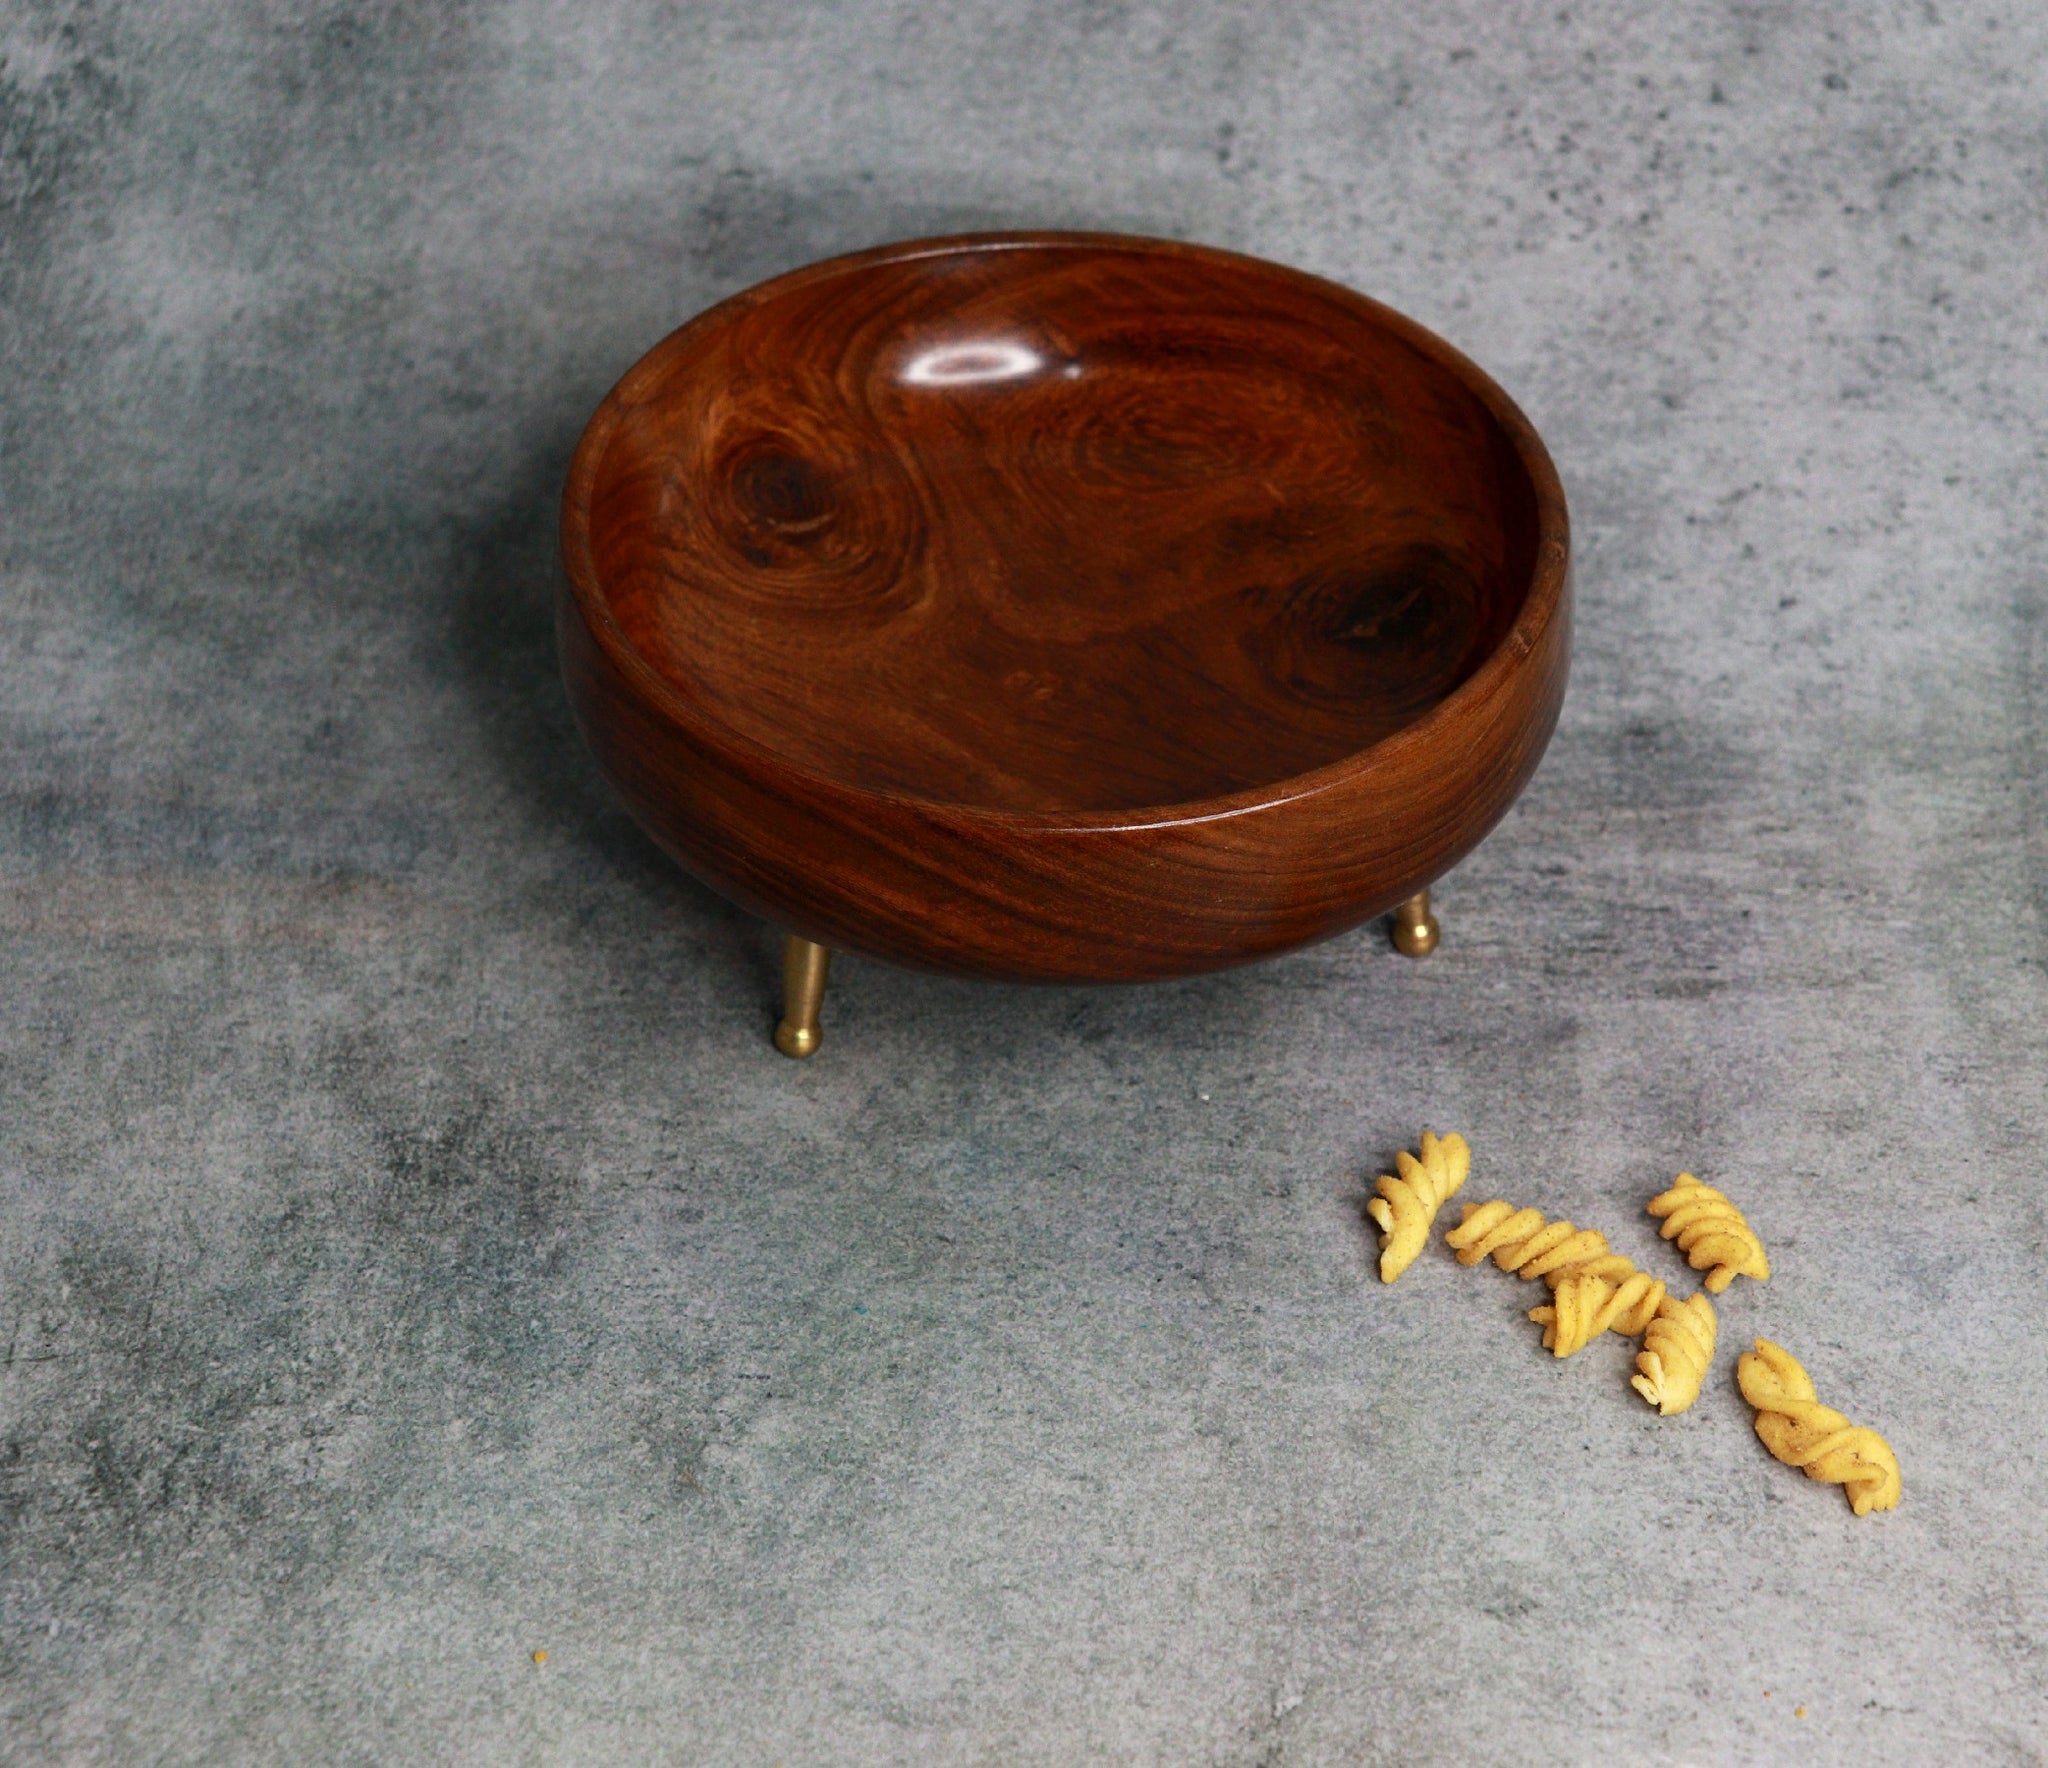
1415, 928
804, 968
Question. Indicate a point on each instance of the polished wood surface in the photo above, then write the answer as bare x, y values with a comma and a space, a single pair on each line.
1063, 606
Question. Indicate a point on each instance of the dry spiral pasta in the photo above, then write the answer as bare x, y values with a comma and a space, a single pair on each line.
1677, 1347
1585, 1302
1593, 1290
1803, 1433
1408, 1201
1520, 1240
1710, 1231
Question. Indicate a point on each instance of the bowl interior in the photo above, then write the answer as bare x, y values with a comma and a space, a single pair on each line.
1046, 527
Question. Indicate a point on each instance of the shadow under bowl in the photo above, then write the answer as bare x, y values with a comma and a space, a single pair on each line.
1063, 607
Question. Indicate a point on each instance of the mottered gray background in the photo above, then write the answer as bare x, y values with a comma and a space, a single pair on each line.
413, 1256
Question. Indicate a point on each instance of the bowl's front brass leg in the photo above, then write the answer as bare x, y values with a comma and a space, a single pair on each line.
804, 968
1415, 928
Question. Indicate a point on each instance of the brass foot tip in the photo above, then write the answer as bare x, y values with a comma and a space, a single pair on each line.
804, 969
798, 1040
1415, 929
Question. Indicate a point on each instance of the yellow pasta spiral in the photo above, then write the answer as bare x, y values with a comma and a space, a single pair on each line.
1521, 1240
1710, 1232
1803, 1433
1407, 1203
1677, 1347
1592, 1290
1587, 1301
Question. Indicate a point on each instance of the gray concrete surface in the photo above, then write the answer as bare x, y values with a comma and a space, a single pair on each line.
412, 1254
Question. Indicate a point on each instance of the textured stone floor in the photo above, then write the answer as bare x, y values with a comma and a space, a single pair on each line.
412, 1255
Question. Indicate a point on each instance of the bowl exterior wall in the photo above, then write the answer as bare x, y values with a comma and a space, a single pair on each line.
1040, 899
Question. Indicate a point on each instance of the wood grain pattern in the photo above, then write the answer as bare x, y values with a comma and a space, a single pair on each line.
1063, 607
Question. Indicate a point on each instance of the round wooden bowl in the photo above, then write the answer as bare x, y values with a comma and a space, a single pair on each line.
1063, 607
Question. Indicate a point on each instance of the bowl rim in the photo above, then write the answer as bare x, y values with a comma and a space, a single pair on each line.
1543, 603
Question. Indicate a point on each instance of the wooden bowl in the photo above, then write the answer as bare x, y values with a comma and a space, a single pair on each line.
1063, 607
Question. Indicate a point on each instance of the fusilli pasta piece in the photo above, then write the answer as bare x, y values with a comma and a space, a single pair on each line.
1677, 1347
1710, 1232
1521, 1240
1407, 1203
1593, 1289
1803, 1433
1585, 1302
